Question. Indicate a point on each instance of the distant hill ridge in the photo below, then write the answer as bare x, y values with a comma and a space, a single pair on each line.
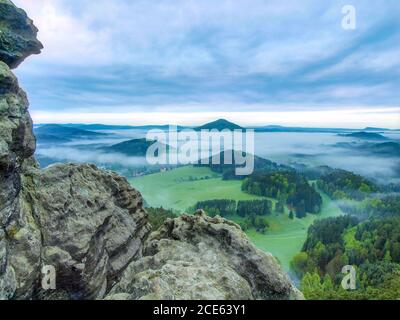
61, 129
365, 135
375, 129
106, 127
228, 170
133, 148
220, 124
55, 133
387, 149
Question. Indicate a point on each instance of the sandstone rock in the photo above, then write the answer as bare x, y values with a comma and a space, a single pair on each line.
17, 142
17, 35
21, 241
119, 297
7, 279
198, 257
89, 224
92, 225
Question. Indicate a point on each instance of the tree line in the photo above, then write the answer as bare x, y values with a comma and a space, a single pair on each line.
243, 208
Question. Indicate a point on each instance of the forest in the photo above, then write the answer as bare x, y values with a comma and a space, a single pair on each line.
287, 186
341, 184
228, 171
374, 206
367, 237
372, 246
225, 207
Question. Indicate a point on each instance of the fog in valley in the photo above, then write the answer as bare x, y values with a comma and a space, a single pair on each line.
291, 148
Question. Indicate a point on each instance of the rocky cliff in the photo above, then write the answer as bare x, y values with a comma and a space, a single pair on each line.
199, 257
90, 224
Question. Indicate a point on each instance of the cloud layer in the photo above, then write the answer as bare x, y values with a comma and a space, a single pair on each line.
205, 55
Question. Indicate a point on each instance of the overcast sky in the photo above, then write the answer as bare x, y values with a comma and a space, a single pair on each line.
188, 61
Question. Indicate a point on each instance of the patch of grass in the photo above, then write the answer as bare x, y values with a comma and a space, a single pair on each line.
350, 241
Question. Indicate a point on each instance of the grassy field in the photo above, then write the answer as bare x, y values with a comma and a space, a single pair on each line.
181, 188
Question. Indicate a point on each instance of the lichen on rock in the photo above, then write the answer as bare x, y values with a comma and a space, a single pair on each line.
17, 35
21, 237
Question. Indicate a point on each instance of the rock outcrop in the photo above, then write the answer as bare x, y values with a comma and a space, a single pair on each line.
91, 227
87, 223
198, 257
18, 35
19, 234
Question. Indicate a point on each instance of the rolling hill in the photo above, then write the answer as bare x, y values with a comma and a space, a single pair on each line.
107, 127
277, 128
220, 124
66, 132
375, 129
383, 149
228, 170
365, 136
55, 133
134, 147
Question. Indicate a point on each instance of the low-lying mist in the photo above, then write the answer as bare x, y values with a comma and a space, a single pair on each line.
70, 154
315, 149
311, 149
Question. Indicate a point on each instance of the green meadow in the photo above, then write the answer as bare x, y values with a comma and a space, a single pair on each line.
181, 188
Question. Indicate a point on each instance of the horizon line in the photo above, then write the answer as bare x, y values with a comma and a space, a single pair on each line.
326, 119
195, 126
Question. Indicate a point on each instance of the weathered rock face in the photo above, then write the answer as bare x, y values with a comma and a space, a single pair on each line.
91, 227
17, 36
87, 223
19, 234
198, 257
17, 142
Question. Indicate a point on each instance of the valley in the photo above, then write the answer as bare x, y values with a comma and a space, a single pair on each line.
182, 188
199, 150
304, 180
